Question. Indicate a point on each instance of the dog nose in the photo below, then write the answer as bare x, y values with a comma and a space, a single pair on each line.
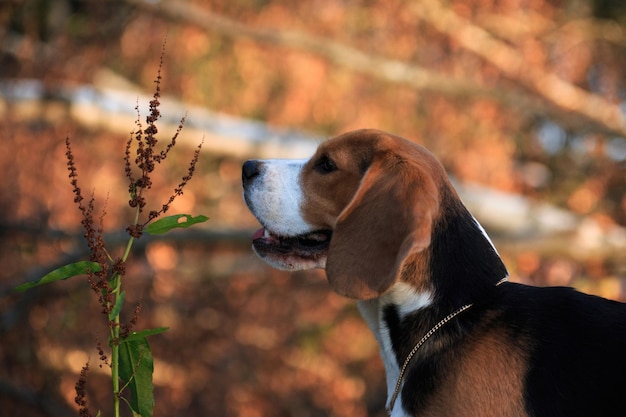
250, 170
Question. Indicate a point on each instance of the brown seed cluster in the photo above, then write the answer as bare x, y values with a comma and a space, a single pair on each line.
81, 392
93, 232
147, 157
125, 329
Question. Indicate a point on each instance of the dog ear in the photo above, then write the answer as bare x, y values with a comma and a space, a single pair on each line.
389, 219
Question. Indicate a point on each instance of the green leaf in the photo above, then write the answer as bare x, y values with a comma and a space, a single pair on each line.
62, 273
175, 221
115, 311
143, 334
136, 367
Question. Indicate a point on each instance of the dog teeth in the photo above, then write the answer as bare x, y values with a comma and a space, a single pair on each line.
266, 233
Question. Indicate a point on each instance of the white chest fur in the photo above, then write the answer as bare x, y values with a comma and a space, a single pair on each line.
407, 301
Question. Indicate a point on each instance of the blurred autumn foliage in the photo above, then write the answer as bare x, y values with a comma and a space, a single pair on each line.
524, 96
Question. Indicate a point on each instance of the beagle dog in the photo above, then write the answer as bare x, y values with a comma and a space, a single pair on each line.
379, 214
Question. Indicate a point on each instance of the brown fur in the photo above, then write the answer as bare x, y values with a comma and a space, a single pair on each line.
485, 380
380, 204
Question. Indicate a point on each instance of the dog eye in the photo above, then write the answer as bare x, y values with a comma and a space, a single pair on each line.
325, 165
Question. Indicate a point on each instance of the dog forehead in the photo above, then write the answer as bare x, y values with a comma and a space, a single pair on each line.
352, 143
372, 141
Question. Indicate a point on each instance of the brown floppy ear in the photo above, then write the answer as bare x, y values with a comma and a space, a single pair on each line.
389, 219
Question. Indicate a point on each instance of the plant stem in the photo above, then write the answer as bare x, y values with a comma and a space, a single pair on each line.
116, 281
115, 352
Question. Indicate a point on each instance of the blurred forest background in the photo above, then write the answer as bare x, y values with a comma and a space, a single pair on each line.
523, 101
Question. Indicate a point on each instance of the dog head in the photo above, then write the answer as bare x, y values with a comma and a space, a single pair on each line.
361, 207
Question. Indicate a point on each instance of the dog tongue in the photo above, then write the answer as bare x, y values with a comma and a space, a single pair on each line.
258, 234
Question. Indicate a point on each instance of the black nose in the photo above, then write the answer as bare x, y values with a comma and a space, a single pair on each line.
250, 170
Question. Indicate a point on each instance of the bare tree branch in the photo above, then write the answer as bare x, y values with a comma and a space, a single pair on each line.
545, 84
589, 29
337, 53
571, 106
524, 24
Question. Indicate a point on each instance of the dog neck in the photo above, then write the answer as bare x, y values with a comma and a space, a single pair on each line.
405, 300
461, 267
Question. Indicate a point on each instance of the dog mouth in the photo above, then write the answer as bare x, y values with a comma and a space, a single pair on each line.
317, 240
292, 252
